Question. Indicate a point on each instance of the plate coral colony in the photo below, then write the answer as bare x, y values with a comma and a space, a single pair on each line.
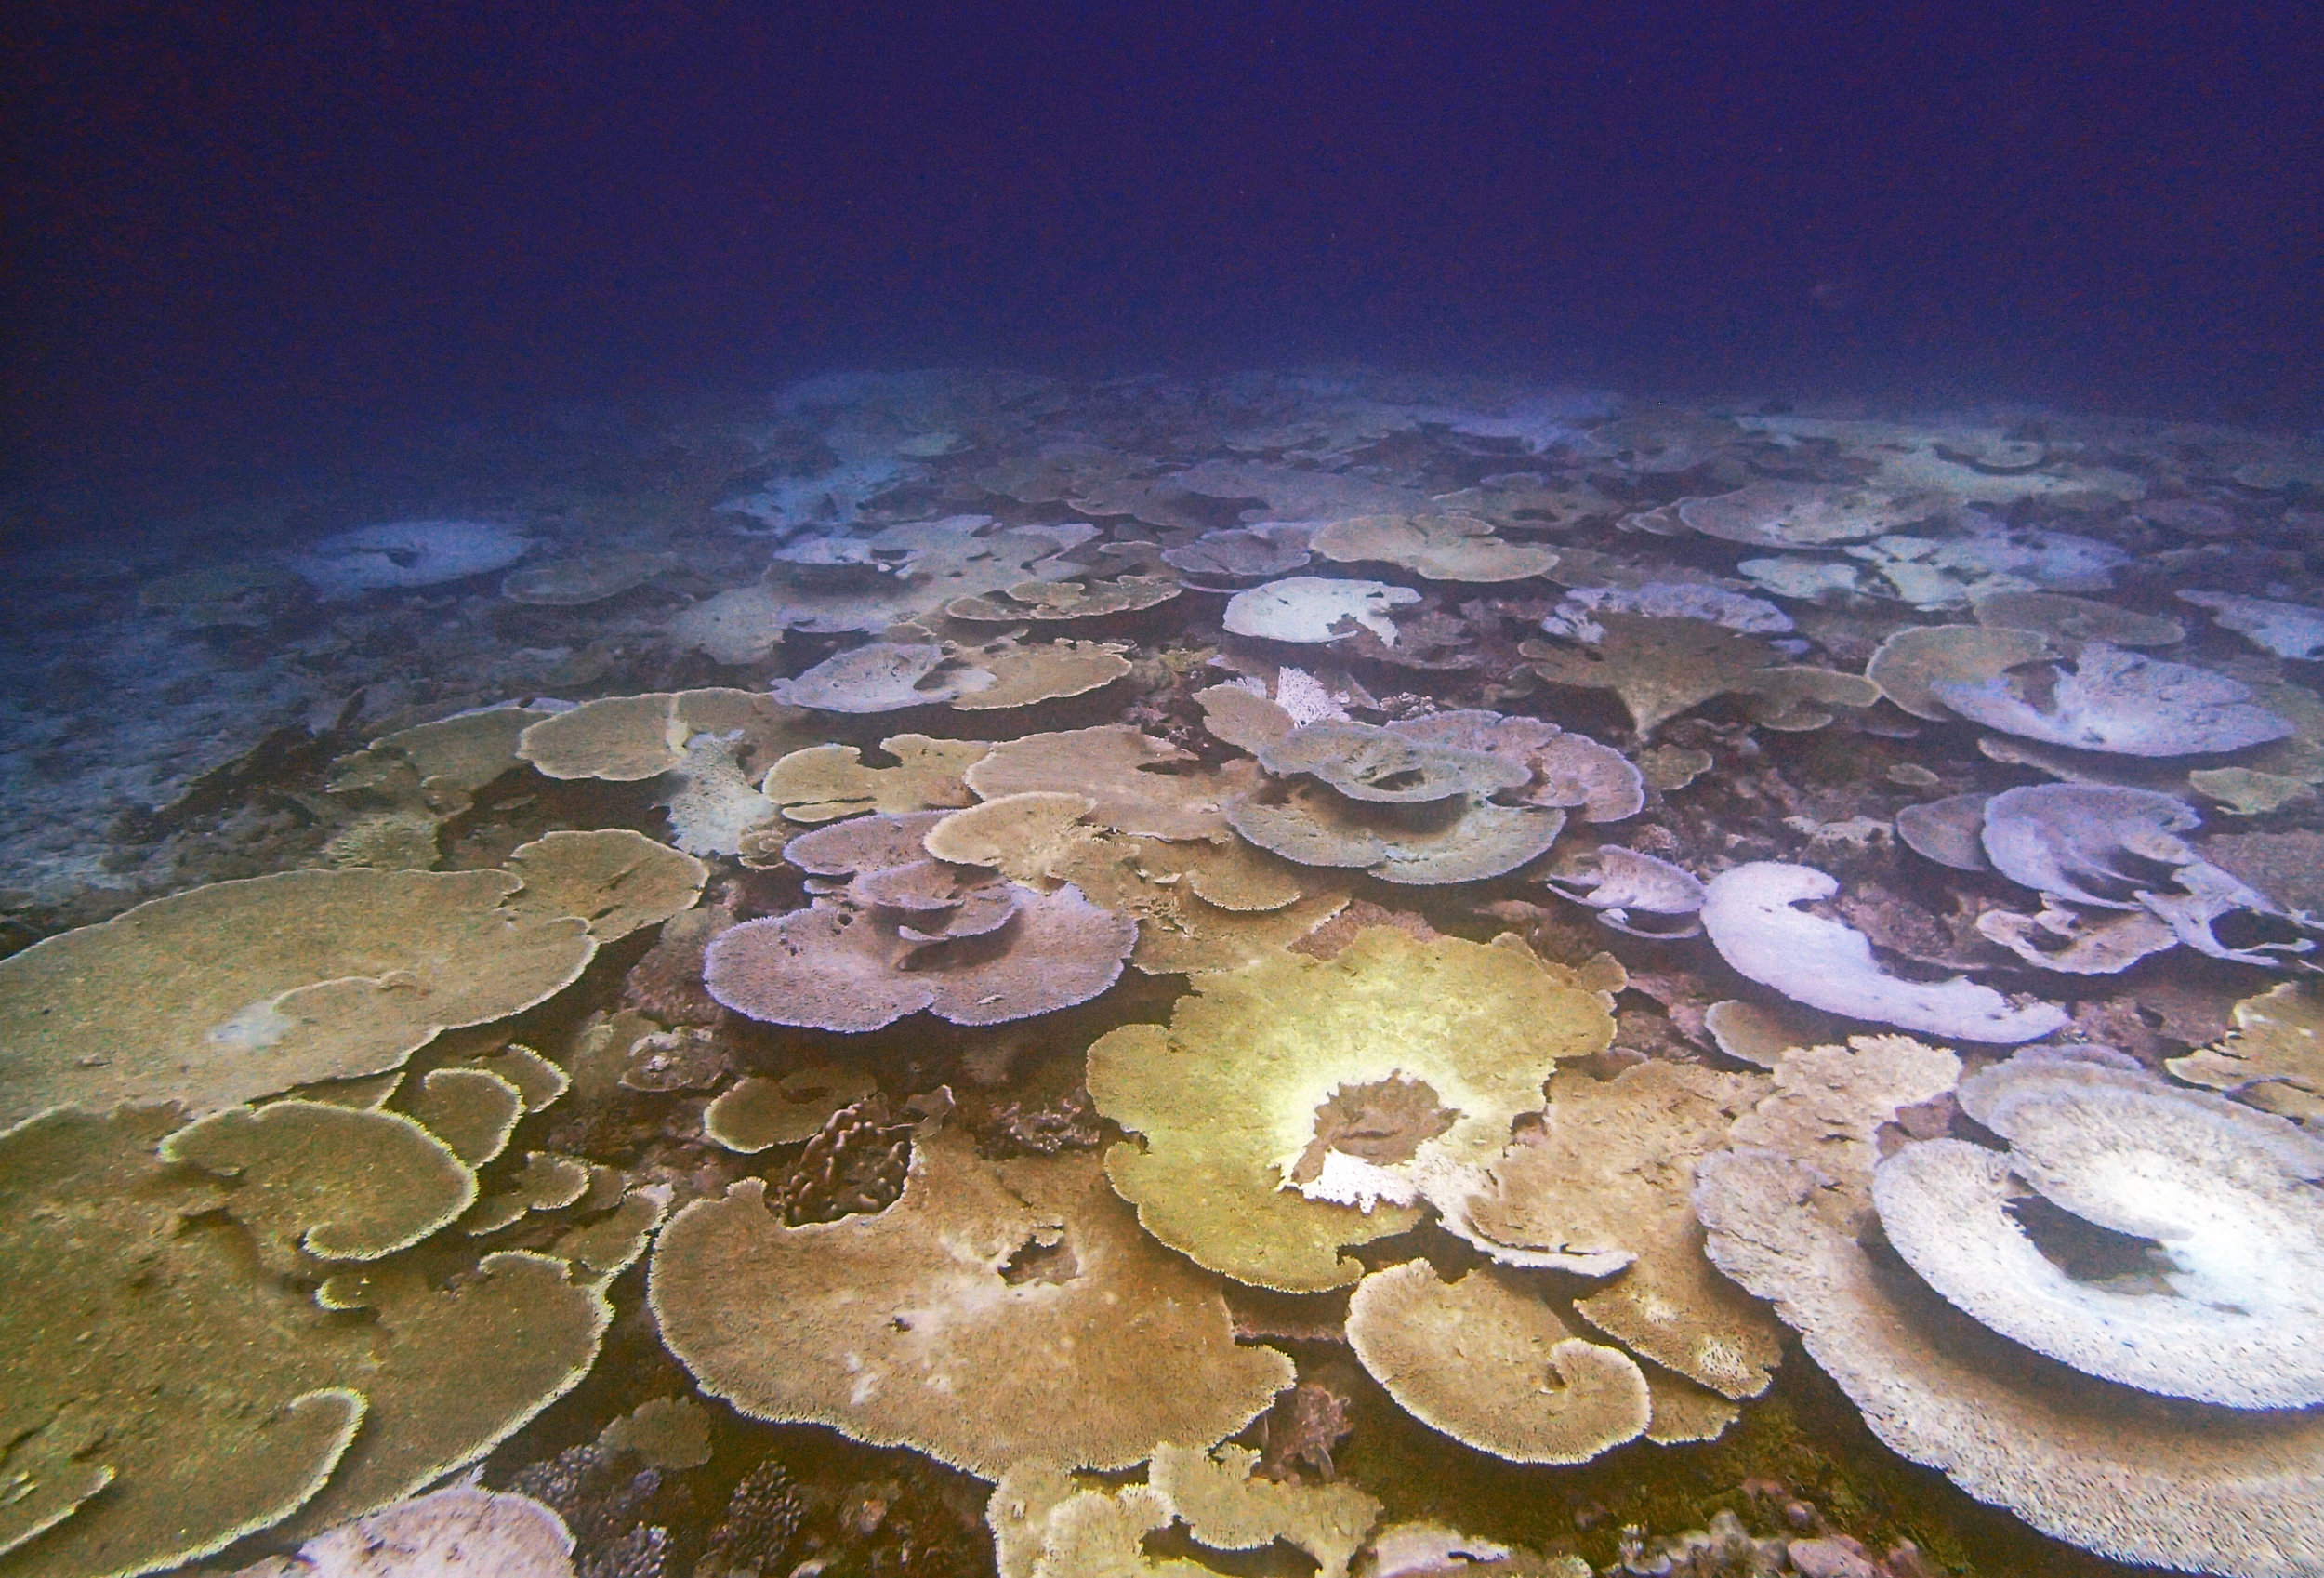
954, 972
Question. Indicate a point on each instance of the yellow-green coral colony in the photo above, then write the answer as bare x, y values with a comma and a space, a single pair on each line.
1116, 956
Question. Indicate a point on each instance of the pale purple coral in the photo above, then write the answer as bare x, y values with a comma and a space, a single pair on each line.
908, 934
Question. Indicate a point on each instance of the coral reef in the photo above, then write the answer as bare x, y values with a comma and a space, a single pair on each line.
403, 925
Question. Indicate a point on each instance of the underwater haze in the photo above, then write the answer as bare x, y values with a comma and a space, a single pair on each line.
852, 791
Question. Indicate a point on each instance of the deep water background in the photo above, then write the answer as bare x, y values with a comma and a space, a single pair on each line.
255, 234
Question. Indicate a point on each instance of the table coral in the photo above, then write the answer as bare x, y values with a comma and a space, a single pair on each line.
1229, 1100
998, 1314
248, 987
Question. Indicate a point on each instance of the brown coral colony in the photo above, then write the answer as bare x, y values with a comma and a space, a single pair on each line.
1150, 978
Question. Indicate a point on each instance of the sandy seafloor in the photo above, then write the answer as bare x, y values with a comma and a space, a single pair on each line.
179, 682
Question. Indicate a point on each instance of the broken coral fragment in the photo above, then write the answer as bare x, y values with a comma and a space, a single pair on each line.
2064, 940
998, 1314
2221, 1198
1752, 917
1641, 896
1487, 1361
1266, 1075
